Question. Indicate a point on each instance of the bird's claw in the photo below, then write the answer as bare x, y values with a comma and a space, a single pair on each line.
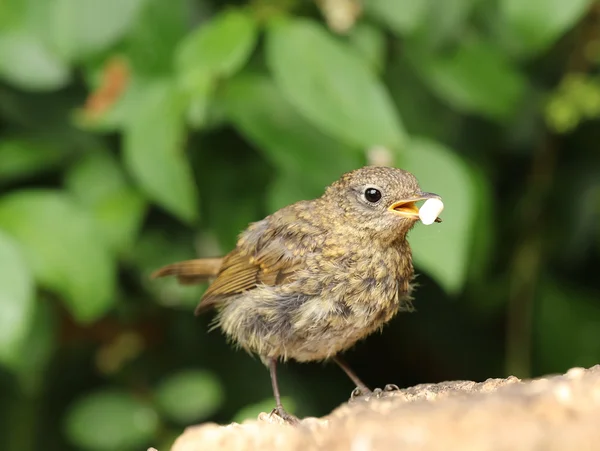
286, 417
377, 393
360, 392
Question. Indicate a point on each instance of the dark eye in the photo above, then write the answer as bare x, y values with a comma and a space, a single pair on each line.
372, 195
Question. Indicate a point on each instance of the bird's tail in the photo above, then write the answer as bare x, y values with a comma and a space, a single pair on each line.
190, 272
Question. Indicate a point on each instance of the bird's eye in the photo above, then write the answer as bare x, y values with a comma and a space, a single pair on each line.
372, 195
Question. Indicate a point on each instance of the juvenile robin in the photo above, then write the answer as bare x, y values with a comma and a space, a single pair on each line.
313, 278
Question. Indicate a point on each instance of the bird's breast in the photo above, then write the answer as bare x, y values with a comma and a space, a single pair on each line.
364, 289
339, 297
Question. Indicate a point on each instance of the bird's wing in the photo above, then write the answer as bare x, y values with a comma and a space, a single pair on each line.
266, 254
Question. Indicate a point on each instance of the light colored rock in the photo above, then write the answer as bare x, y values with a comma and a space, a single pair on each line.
552, 413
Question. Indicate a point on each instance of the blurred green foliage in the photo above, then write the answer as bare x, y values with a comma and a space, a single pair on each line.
135, 133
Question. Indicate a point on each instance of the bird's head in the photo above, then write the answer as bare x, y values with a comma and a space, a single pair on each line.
378, 200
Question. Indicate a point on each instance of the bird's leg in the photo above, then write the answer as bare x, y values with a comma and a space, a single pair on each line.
279, 410
364, 390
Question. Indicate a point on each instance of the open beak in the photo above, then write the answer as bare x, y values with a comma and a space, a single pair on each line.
408, 207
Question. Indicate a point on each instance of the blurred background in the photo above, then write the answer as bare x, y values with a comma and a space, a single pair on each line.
135, 133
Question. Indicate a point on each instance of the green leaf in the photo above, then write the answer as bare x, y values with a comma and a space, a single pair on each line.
116, 207
16, 299
401, 16
289, 187
260, 111
79, 28
12, 14
22, 157
252, 411
445, 22
95, 176
27, 63
215, 50
328, 82
475, 77
110, 420
155, 34
119, 114
566, 327
369, 41
35, 351
153, 152
199, 99
416, 103
537, 24
219, 48
60, 243
189, 396
442, 250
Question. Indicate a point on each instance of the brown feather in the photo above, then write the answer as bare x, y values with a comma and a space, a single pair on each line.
241, 272
191, 271
266, 254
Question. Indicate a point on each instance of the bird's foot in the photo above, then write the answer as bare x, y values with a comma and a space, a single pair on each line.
367, 394
391, 387
286, 417
360, 392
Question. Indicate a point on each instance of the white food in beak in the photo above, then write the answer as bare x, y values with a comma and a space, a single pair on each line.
430, 210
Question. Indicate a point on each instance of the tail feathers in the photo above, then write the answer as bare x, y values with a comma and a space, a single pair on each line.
191, 272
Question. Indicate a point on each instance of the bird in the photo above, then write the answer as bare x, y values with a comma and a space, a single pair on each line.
312, 279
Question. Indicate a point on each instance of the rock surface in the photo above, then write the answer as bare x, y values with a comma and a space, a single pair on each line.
550, 413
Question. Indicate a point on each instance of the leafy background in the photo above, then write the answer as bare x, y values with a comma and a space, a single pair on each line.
135, 133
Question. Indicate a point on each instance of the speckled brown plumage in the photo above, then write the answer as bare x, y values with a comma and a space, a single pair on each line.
313, 278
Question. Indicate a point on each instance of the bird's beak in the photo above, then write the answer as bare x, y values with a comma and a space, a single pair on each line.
408, 207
